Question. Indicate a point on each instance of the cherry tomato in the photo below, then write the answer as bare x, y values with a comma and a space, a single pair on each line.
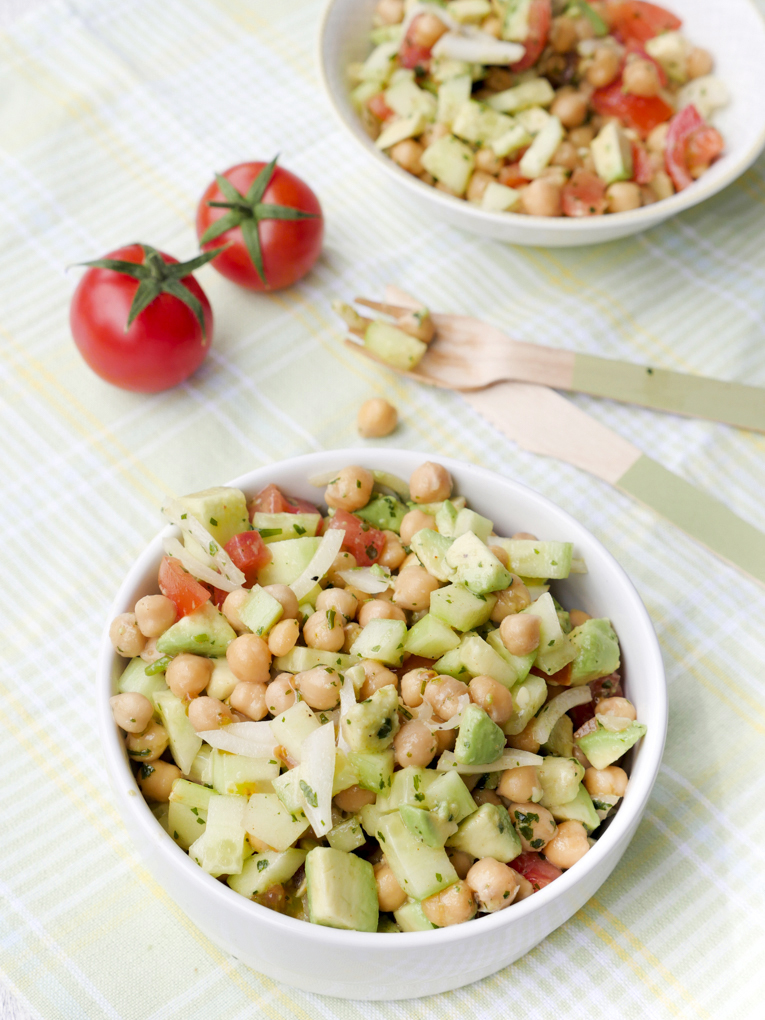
272, 500
140, 320
536, 869
540, 19
691, 146
640, 21
249, 552
361, 539
584, 195
270, 221
180, 587
642, 113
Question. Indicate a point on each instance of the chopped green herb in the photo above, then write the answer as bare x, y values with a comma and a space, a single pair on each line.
309, 794
438, 877
146, 771
213, 522
299, 529
200, 638
159, 666
262, 864
269, 532
331, 619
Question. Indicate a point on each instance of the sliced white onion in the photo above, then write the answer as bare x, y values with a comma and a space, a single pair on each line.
330, 545
578, 566
348, 700
553, 710
476, 47
509, 759
195, 567
614, 723
317, 772
363, 579
252, 739
451, 724
188, 523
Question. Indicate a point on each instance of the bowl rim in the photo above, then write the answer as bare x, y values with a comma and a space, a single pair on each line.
644, 218
132, 801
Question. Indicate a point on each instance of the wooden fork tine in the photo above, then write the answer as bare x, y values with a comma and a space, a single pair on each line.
357, 331
381, 306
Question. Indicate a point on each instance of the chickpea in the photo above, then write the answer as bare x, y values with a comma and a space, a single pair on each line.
426, 30
488, 162
478, 184
430, 483
132, 712
342, 601
493, 697
209, 714
249, 658
494, 885
377, 417
641, 78
619, 707
350, 490
578, 617
250, 700
445, 740
568, 846
501, 554
525, 889
379, 609
354, 799
286, 597
325, 631
343, 561
408, 155
657, 140
392, 555
512, 600
414, 588
389, 12
154, 615
376, 676
125, 636
570, 108
280, 694
604, 67
581, 137
414, 521
542, 198
188, 675
415, 745
156, 780
566, 156
413, 685
452, 905
150, 651
320, 687
699, 62
492, 25
485, 796
283, 637
389, 892
623, 196
442, 694
461, 861
520, 633
608, 782
525, 740
351, 631
410, 561
520, 784
148, 745
662, 185
534, 824
232, 603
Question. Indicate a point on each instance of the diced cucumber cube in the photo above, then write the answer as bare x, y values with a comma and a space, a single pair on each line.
183, 739
556, 649
482, 660
516, 24
262, 871
410, 786
533, 120
537, 559
528, 698
236, 774
283, 526
381, 640
451, 664
460, 608
499, 198
401, 129
520, 665
206, 631
291, 727
431, 638
288, 560
260, 611
347, 835
612, 154
300, 659
431, 548
450, 798
450, 161
542, 149
535, 92
375, 769
420, 870
479, 124
427, 825
269, 821
406, 99
135, 680
411, 917
451, 95
220, 849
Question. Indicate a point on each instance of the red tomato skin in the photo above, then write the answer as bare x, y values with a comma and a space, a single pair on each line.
703, 147
607, 687
536, 869
163, 346
249, 552
361, 540
540, 19
512, 177
643, 171
639, 112
272, 500
379, 107
181, 588
682, 127
583, 195
638, 21
289, 247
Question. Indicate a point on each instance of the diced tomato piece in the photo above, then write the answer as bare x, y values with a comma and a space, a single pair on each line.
361, 539
413, 662
249, 552
642, 113
691, 146
219, 597
536, 869
411, 54
268, 501
299, 506
607, 687
379, 107
584, 195
640, 21
643, 171
540, 19
511, 175
702, 149
180, 587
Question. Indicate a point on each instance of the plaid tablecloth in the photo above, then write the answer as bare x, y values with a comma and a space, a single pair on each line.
113, 115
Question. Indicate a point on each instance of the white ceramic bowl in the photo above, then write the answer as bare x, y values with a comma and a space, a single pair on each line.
359, 965
733, 31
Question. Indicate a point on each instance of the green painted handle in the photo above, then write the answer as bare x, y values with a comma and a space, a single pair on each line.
701, 516
693, 395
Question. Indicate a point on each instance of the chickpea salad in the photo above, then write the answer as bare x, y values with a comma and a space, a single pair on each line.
376, 717
540, 107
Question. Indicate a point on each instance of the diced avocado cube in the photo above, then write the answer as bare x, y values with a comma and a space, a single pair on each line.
260, 611
451, 664
223, 680
300, 659
528, 698
561, 739
283, 526
460, 608
476, 565
449, 798
479, 124
450, 161
612, 154
537, 559
431, 638
342, 892
221, 510
393, 346
371, 725
556, 649
288, 560
430, 549
479, 740
427, 825
383, 512
237, 774
420, 870
381, 640
292, 726
520, 665
410, 786
488, 832
347, 835
411, 917
597, 651
375, 769
469, 521
183, 739
269, 821
603, 747
560, 779
261, 871
481, 659
579, 809
203, 632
